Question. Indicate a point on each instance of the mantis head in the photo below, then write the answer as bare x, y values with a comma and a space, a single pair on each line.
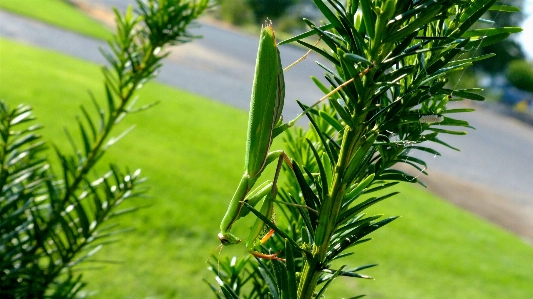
228, 239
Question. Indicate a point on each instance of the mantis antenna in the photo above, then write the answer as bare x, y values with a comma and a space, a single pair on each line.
301, 58
361, 74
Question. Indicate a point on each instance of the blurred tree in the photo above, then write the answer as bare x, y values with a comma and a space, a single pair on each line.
236, 12
508, 49
520, 74
272, 9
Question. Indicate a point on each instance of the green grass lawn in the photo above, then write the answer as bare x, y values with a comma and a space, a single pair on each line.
58, 13
191, 148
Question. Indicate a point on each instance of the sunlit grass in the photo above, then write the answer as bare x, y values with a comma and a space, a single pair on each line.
58, 13
191, 149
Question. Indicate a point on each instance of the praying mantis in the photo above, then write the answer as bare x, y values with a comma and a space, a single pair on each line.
265, 122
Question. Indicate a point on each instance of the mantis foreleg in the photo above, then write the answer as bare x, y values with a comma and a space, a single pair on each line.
235, 209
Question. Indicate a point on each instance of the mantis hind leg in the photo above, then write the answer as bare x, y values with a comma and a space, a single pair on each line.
257, 236
273, 256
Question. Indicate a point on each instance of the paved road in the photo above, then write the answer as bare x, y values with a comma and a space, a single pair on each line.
219, 66
497, 156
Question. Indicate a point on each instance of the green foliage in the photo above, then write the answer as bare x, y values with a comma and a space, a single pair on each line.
387, 95
520, 74
53, 221
58, 13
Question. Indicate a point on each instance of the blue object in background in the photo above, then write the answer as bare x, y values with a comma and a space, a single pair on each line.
512, 96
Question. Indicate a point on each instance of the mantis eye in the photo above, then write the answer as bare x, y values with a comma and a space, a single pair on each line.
228, 239
223, 239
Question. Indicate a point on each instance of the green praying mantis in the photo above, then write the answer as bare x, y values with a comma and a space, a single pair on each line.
265, 122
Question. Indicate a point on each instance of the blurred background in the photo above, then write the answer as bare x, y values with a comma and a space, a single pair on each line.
490, 177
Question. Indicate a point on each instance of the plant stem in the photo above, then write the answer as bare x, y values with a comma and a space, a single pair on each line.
329, 213
309, 279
